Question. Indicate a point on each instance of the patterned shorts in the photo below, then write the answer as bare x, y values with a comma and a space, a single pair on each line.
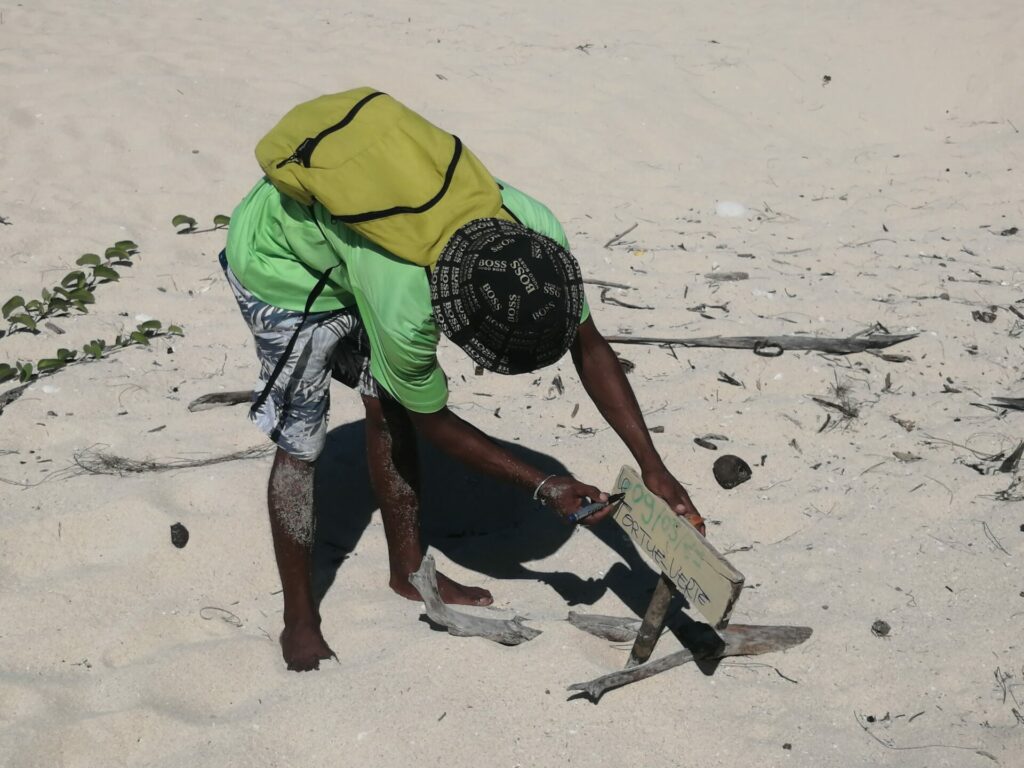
330, 345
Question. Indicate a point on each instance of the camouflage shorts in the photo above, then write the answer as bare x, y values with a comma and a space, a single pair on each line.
330, 345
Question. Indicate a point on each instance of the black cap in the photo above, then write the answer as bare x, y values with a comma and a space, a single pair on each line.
509, 296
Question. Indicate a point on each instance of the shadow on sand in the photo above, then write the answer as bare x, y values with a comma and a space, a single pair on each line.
479, 523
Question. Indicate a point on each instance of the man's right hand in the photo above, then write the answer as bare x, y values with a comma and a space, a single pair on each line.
303, 647
565, 494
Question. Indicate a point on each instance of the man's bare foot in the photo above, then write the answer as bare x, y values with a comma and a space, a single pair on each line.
304, 647
452, 592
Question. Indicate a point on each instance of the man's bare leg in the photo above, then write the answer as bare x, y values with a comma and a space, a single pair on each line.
394, 471
292, 524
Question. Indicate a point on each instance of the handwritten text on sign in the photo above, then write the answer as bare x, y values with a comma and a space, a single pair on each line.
699, 572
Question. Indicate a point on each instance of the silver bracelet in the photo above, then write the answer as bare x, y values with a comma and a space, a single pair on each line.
536, 491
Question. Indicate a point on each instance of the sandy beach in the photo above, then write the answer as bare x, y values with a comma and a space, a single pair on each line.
862, 164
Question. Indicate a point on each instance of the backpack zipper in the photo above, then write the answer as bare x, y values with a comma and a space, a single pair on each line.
304, 152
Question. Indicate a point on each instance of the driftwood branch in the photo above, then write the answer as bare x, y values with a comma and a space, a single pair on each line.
773, 346
618, 630
217, 399
504, 631
735, 640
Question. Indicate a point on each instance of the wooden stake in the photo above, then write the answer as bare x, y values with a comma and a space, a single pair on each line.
654, 622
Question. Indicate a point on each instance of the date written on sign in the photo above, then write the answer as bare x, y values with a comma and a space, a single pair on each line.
705, 578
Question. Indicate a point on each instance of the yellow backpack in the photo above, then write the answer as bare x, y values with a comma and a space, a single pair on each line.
381, 169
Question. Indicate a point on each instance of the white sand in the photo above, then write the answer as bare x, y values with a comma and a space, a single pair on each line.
867, 198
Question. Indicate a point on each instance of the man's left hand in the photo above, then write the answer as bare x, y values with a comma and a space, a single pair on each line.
661, 483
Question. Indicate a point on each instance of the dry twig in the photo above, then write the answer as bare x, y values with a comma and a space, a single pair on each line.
888, 743
618, 238
992, 537
606, 299
773, 346
91, 461
608, 284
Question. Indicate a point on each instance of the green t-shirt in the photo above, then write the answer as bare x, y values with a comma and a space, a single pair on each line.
277, 252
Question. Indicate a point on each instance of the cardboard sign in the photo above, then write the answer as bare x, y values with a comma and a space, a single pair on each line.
705, 578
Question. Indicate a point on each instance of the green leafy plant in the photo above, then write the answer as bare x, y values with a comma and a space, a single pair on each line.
187, 224
26, 371
181, 220
75, 292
